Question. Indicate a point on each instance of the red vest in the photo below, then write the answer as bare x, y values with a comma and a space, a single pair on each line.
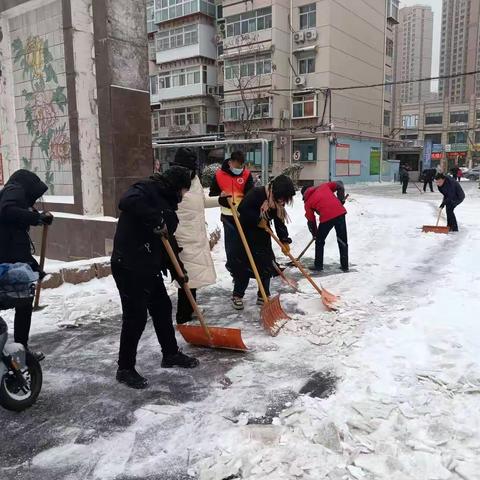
232, 185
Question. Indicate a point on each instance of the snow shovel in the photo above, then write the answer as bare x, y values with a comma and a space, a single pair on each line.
272, 313
436, 228
328, 299
203, 336
43, 251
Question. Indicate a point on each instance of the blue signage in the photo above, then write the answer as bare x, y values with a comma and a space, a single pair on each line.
427, 154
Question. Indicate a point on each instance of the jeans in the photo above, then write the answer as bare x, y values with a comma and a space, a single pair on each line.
322, 232
240, 285
141, 293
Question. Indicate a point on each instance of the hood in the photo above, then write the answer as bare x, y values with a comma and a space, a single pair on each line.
226, 168
32, 185
308, 193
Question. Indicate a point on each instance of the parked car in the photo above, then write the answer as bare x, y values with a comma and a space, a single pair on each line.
473, 174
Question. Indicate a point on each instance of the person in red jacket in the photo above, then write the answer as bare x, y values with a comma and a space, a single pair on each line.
322, 201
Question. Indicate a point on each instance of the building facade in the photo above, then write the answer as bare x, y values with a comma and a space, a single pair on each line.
268, 67
413, 48
459, 50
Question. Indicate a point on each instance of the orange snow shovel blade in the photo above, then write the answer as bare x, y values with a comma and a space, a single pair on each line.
329, 299
273, 316
204, 336
227, 338
435, 228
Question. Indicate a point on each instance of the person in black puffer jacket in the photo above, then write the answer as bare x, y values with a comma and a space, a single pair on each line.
17, 215
453, 195
138, 262
260, 206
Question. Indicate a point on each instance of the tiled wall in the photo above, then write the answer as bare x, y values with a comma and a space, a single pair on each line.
41, 96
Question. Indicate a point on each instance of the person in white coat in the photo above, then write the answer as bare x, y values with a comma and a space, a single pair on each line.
192, 235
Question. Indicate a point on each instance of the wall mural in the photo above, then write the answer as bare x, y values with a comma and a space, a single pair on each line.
40, 97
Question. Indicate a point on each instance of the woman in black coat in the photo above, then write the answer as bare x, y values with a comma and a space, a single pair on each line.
260, 206
17, 215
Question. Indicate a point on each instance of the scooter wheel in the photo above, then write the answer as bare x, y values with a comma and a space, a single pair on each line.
17, 398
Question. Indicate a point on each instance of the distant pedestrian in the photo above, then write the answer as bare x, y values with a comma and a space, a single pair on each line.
258, 180
454, 172
428, 176
322, 201
459, 174
404, 178
453, 195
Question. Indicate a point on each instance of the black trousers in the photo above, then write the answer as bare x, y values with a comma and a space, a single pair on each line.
324, 228
22, 323
429, 183
451, 218
405, 185
184, 308
141, 293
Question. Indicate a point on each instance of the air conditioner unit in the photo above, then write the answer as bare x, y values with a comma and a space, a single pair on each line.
300, 81
221, 27
299, 37
311, 34
211, 90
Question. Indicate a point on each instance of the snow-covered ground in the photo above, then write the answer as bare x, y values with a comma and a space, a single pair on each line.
386, 388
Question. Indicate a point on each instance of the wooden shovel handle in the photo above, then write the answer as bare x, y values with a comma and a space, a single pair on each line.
186, 288
295, 261
247, 249
438, 218
305, 249
43, 251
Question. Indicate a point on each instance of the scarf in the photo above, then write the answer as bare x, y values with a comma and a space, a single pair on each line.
271, 204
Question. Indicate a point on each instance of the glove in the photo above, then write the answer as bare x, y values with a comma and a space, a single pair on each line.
161, 230
262, 224
312, 226
181, 280
46, 218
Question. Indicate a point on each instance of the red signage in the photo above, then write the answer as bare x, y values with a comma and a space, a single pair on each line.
455, 155
437, 156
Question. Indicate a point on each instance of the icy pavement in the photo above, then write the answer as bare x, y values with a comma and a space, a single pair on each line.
386, 388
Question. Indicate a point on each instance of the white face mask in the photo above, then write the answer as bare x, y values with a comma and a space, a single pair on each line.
236, 171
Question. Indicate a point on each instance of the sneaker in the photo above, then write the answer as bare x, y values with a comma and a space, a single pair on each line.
260, 301
179, 359
39, 356
237, 303
132, 378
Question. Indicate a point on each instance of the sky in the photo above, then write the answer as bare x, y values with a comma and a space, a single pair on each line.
437, 21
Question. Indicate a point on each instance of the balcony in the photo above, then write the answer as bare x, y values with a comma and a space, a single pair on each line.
182, 8
195, 90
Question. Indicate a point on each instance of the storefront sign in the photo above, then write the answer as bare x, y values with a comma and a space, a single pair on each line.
456, 155
344, 167
437, 156
437, 147
427, 154
456, 147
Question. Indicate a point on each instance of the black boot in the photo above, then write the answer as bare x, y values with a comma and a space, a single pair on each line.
179, 359
132, 378
39, 356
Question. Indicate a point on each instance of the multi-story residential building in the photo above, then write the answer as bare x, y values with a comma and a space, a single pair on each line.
453, 130
278, 62
183, 69
459, 50
413, 46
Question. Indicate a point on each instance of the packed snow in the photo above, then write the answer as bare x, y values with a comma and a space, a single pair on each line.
387, 387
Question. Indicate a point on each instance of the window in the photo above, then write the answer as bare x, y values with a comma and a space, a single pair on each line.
457, 137
434, 118
181, 77
178, 117
168, 9
307, 149
248, 22
306, 65
248, 67
388, 88
459, 117
389, 47
478, 116
477, 136
410, 121
253, 110
304, 106
435, 138
154, 85
308, 16
177, 37
155, 122
387, 115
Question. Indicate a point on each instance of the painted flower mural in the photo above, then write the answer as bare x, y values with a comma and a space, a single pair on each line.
44, 107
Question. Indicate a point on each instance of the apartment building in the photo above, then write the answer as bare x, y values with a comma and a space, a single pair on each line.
183, 69
265, 69
413, 46
459, 50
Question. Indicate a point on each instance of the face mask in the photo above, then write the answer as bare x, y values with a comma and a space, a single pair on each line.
236, 171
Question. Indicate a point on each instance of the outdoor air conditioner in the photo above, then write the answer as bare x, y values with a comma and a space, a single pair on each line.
311, 34
299, 37
300, 81
211, 90
221, 27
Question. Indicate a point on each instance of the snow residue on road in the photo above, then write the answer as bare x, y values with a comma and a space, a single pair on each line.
386, 388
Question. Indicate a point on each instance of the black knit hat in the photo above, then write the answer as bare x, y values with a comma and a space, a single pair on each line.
177, 177
185, 157
283, 187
